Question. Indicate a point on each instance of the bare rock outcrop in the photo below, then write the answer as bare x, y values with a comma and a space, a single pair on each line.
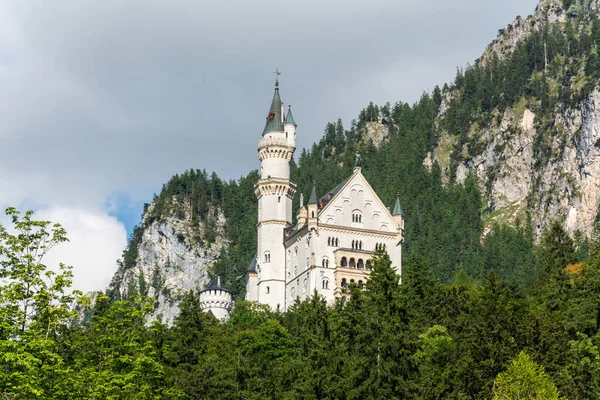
172, 259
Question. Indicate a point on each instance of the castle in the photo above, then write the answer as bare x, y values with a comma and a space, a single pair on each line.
335, 237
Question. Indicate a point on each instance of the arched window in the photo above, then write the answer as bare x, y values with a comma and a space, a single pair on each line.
325, 284
329, 241
267, 257
361, 264
268, 290
325, 262
352, 263
313, 214
353, 245
337, 242
369, 264
344, 262
357, 216
360, 284
279, 199
344, 284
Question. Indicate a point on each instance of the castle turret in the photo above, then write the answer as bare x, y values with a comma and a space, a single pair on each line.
289, 126
216, 300
274, 192
313, 209
398, 216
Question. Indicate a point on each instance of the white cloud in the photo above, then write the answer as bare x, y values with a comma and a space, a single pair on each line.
96, 241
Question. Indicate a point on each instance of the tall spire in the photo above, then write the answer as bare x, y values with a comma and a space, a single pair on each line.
398, 207
289, 119
274, 118
313, 195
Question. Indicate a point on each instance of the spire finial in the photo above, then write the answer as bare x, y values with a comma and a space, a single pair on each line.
358, 160
277, 73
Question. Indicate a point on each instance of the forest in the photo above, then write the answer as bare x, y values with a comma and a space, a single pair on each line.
483, 311
418, 339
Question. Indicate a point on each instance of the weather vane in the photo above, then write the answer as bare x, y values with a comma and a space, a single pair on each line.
277, 73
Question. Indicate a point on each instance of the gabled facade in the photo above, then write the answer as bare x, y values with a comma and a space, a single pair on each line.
335, 237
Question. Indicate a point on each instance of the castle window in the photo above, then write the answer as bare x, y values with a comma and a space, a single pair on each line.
325, 262
268, 290
352, 263
357, 216
344, 262
337, 242
325, 284
329, 241
361, 264
369, 264
360, 284
267, 257
344, 284
313, 214
279, 199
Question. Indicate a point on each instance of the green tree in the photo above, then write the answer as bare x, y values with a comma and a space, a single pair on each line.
524, 380
434, 361
35, 307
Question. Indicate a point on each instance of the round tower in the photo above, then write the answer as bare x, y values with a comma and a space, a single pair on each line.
274, 191
216, 300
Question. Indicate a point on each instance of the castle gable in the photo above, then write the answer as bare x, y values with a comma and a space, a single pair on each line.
355, 204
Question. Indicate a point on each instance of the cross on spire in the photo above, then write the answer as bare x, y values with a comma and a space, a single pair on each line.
277, 73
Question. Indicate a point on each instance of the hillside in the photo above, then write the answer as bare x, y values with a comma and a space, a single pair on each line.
512, 141
525, 118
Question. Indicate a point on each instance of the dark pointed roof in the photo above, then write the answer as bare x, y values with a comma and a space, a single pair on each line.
252, 267
289, 119
274, 118
397, 207
313, 195
215, 285
331, 194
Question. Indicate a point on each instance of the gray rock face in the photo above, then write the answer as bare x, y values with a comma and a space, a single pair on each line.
567, 187
515, 182
170, 262
547, 11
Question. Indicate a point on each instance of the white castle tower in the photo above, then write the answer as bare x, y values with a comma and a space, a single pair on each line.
216, 300
266, 278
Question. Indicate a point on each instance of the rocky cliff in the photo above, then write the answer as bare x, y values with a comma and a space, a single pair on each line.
502, 147
173, 257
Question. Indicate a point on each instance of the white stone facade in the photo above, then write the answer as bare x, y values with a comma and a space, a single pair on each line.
332, 250
336, 235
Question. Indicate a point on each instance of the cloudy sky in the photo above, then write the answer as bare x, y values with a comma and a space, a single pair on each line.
102, 101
